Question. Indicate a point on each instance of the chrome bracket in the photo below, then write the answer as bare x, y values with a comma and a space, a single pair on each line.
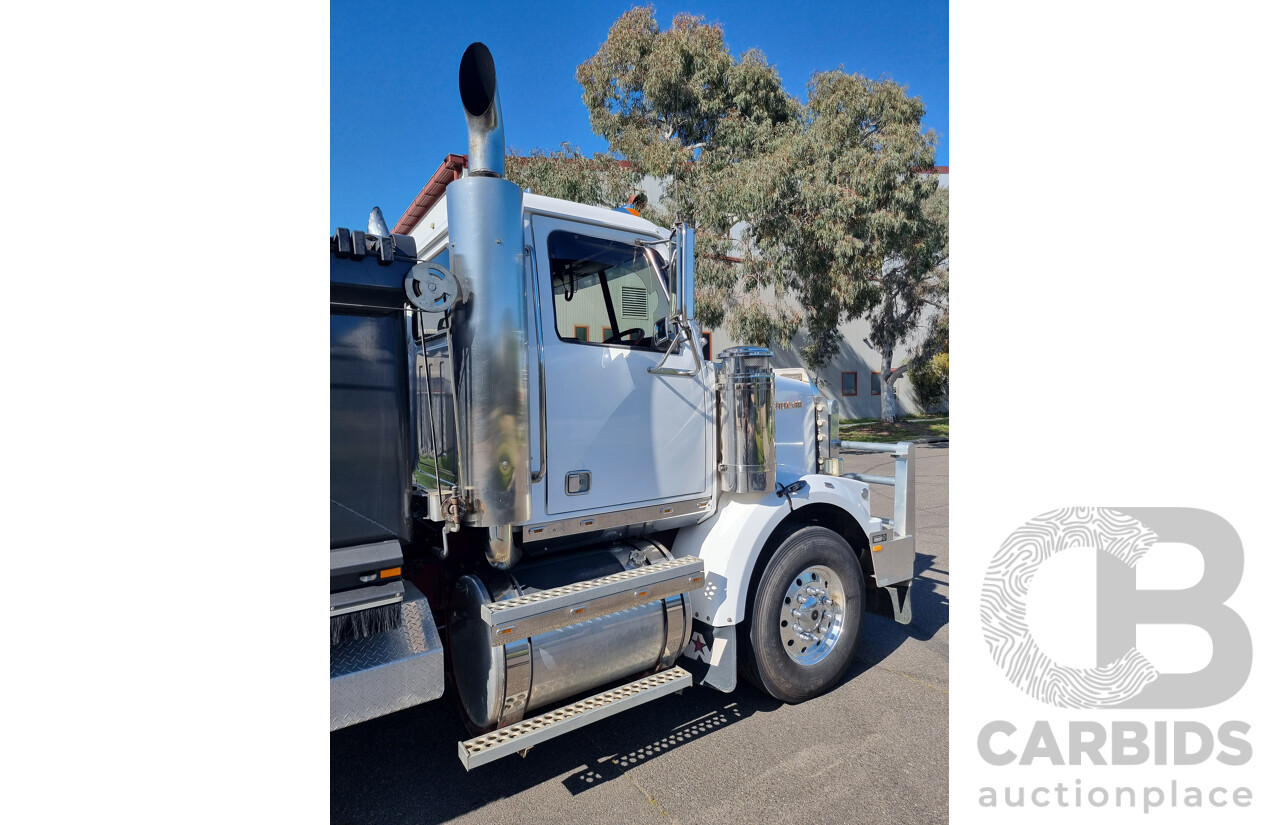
683, 333
455, 509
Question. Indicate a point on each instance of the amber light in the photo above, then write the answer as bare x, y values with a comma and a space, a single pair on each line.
389, 572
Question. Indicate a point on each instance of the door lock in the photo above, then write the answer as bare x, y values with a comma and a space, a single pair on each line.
577, 482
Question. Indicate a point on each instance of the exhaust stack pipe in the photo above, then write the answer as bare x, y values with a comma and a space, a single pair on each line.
488, 331
478, 84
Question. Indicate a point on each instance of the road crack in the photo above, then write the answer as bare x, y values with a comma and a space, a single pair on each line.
929, 685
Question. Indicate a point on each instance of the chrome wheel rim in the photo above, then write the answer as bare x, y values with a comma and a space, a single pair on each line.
812, 614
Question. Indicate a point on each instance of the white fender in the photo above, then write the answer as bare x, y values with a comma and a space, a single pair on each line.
729, 543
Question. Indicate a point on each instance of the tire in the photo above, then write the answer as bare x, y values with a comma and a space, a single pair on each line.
777, 657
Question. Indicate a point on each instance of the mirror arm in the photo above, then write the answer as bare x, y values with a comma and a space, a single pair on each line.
683, 333
675, 291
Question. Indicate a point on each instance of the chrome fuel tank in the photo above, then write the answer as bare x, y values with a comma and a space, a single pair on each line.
498, 684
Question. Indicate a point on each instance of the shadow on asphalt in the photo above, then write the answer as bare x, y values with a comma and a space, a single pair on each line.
881, 635
700, 711
404, 768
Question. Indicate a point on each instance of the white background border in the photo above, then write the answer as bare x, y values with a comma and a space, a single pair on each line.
1114, 299
165, 189
165, 197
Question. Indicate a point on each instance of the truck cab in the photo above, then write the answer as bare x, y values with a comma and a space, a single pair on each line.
540, 487
609, 435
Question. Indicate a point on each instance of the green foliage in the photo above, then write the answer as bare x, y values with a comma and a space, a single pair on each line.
929, 379
808, 214
681, 108
567, 173
849, 224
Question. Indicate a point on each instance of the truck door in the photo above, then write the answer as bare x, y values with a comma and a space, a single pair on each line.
617, 436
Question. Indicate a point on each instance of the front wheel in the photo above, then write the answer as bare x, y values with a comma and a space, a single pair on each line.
806, 616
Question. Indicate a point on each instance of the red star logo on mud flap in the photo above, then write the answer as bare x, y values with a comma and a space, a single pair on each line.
698, 644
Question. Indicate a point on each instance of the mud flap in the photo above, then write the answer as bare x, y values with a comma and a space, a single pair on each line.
893, 563
712, 656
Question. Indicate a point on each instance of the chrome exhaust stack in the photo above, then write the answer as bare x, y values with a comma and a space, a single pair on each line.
478, 85
488, 332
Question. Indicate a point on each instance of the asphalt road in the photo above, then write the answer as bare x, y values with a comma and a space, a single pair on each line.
872, 750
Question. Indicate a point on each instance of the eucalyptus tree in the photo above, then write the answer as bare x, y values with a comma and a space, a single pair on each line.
809, 215
682, 109
911, 280
856, 227
599, 179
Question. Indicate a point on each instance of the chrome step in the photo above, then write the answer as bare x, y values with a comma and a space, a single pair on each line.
535, 613
503, 742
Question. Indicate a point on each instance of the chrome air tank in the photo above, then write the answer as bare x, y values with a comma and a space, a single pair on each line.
499, 684
747, 451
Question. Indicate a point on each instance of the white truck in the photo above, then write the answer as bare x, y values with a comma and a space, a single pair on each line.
544, 494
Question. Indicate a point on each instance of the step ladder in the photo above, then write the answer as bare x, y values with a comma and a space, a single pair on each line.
523, 735
547, 610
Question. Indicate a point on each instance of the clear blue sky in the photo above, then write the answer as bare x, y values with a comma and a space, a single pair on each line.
394, 108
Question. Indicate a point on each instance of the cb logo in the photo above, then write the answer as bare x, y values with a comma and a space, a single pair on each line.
1124, 677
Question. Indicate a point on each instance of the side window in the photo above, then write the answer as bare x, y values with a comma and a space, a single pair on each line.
604, 285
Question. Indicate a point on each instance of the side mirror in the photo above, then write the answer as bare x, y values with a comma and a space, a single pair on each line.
660, 336
682, 282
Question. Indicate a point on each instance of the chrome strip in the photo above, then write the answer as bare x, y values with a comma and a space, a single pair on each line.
518, 658
363, 598
678, 615
542, 370
618, 518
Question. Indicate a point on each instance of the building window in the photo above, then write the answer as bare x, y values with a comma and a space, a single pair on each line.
606, 285
706, 346
875, 383
848, 383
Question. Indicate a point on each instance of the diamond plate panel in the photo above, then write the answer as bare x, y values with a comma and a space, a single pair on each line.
389, 672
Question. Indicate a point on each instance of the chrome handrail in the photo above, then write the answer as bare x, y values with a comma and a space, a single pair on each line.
542, 370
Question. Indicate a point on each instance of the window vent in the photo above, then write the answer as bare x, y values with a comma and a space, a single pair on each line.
635, 302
